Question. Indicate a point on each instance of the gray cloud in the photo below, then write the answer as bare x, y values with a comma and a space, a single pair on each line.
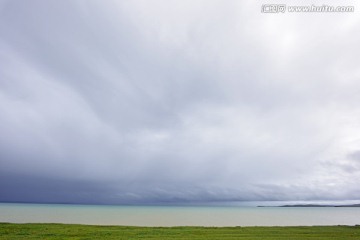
138, 102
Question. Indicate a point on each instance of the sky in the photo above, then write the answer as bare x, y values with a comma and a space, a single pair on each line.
169, 101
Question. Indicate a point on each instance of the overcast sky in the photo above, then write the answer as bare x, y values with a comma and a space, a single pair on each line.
177, 101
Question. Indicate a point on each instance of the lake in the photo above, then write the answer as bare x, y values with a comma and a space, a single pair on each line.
178, 215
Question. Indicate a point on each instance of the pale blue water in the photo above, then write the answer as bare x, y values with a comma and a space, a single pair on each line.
177, 215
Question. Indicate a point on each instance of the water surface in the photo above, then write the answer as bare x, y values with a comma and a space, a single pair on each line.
178, 215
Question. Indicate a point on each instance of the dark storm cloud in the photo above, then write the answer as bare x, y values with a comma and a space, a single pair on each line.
148, 102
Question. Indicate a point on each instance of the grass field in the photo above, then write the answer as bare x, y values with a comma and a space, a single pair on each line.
68, 231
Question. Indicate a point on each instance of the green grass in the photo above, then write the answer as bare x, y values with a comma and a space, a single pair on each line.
68, 231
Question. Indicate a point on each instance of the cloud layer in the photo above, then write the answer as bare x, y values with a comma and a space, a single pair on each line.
176, 101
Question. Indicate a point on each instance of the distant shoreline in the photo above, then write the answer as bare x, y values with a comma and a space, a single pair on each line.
315, 205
